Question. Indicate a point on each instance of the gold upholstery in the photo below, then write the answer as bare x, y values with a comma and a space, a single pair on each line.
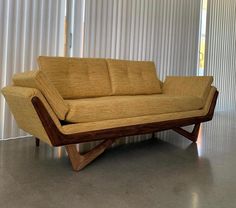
92, 126
133, 77
115, 107
38, 80
77, 77
19, 101
95, 94
188, 86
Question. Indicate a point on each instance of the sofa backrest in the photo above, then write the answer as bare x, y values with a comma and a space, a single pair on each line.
90, 77
77, 77
198, 86
133, 77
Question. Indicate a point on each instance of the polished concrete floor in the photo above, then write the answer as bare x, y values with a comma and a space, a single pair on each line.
165, 172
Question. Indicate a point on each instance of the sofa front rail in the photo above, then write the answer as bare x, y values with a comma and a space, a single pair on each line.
79, 161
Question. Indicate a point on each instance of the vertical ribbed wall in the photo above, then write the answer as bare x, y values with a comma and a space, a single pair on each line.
75, 27
28, 28
164, 31
221, 50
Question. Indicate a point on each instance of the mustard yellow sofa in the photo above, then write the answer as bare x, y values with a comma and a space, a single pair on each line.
75, 100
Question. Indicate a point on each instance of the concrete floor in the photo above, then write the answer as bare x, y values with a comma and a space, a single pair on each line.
166, 172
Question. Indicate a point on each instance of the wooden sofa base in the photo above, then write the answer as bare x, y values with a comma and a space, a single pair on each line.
191, 136
79, 161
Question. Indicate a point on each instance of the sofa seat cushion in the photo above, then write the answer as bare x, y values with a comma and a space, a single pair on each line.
114, 123
116, 107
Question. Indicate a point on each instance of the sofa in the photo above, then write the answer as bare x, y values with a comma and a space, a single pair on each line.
75, 100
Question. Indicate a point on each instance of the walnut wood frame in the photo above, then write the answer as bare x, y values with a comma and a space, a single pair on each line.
78, 161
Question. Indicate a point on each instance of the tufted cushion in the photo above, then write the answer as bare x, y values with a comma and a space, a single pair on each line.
77, 77
116, 107
188, 86
133, 77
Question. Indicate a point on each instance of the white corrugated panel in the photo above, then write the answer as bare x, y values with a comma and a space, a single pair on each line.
164, 31
28, 28
221, 50
75, 27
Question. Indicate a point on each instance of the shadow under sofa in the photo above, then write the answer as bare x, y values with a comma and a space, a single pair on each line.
76, 100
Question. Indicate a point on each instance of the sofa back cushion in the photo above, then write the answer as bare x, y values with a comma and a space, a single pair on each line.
133, 77
37, 79
198, 86
77, 77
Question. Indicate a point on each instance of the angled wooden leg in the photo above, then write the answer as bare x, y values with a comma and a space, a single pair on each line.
79, 161
37, 142
192, 136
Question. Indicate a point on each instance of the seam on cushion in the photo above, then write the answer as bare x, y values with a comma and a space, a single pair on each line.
109, 75
111, 82
130, 81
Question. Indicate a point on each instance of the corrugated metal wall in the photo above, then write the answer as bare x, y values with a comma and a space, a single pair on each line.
75, 27
164, 31
221, 50
28, 28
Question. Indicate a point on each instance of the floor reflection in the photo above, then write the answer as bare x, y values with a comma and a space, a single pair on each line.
195, 198
169, 171
199, 142
219, 134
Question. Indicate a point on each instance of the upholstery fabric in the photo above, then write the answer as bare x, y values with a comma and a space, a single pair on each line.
133, 77
97, 94
115, 107
77, 77
37, 79
188, 86
93, 126
19, 101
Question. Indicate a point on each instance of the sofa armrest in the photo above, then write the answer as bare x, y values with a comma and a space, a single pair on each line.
37, 79
188, 86
19, 100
